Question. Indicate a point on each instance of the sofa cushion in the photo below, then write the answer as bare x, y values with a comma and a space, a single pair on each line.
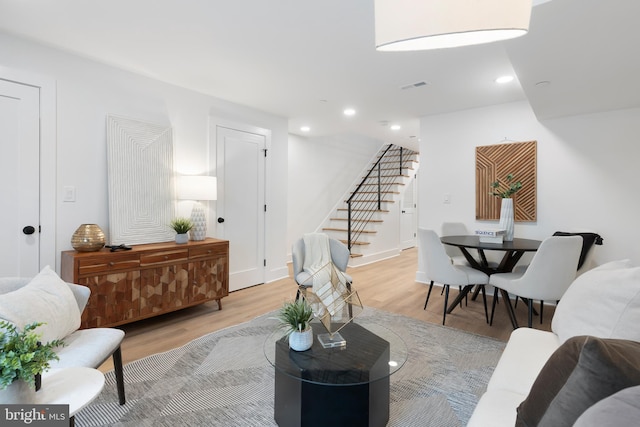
603, 302
620, 409
583, 371
46, 298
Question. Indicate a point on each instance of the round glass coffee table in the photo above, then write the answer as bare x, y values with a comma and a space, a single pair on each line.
336, 386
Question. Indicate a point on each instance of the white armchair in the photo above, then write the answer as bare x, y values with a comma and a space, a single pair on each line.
57, 304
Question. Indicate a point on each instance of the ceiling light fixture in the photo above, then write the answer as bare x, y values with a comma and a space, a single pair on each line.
504, 79
305, 128
395, 127
403, 25
349, 112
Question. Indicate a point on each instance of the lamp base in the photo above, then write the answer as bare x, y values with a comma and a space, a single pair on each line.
331, 341
199, 220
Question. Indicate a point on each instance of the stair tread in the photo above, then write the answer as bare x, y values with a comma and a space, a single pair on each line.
346, 242
356, 220
346, 230
365, 210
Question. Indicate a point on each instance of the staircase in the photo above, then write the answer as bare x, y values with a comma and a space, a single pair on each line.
356, 222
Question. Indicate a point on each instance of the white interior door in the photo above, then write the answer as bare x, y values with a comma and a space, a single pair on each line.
408, 217
240, 160
19, 174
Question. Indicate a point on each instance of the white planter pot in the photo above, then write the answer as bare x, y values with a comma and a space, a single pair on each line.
507, 218
301, 341
182, 238
18, 392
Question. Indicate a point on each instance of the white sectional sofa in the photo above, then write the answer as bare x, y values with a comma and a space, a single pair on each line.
604, 303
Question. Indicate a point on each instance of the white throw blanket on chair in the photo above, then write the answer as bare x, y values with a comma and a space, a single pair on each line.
318, 263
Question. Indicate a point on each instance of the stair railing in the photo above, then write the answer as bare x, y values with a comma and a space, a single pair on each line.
360, 208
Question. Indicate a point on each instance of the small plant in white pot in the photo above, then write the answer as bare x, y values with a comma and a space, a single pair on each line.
181, 226
296, 318
22, 358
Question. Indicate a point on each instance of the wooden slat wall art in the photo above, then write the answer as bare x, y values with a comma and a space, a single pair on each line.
494, 163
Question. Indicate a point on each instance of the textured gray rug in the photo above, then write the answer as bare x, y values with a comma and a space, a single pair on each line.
224, 379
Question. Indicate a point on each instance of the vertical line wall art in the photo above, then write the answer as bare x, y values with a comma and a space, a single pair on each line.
140, 178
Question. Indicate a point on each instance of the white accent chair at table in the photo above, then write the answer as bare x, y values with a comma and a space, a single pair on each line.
552, 270
440, 269
48, 299
454, 229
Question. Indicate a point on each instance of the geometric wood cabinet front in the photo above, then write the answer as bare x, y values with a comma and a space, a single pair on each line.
148, 280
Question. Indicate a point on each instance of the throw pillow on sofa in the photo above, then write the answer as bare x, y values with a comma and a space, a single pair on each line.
620, 410
47, 299
581, 372
603, 302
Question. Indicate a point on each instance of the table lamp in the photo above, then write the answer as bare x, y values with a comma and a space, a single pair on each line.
198, 188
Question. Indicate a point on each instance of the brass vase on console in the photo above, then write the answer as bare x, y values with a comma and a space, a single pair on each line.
88, 238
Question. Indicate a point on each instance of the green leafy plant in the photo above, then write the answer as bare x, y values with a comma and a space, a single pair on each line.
511, 187
295, 316
22, 355
181, 225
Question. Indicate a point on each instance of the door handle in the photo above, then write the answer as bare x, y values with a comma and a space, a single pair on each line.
220, 219
29, 230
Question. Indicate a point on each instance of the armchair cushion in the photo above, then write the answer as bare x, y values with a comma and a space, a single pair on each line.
46, 298
583, 371
603, 302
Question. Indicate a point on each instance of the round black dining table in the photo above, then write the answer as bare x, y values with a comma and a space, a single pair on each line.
513, 251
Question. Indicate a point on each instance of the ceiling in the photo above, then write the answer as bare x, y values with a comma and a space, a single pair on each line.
308, 60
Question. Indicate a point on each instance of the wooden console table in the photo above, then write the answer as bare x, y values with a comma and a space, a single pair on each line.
148, 280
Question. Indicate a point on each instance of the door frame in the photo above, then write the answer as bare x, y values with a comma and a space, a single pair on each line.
48, 161
214, 123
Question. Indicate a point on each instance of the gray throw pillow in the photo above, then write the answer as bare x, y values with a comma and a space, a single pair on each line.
581, 372
620, 410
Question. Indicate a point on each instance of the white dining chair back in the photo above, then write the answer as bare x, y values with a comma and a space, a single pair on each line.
454, 229
439, 268
552, 270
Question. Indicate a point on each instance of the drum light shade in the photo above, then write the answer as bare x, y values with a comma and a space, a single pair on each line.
404, 25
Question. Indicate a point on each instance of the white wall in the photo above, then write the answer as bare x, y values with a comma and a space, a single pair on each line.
87, 91
587, 172
321, 171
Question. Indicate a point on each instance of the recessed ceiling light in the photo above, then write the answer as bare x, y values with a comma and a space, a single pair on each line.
305, 128
395, 127
349, 112
504, 79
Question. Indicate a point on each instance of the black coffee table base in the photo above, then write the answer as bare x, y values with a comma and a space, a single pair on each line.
299, 403
334, 386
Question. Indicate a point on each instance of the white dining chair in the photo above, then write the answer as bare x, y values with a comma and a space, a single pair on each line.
440, 269
547, 277
454, 229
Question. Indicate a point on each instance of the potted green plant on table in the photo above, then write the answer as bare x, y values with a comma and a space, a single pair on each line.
181, 226
23, 358
504, 192
296, 318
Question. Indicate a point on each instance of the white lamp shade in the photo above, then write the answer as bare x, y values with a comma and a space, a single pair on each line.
403, 25
197, 188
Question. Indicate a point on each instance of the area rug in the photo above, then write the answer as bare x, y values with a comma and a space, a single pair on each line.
224, 379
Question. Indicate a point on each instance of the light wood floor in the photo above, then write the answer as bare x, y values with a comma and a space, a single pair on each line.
388, 285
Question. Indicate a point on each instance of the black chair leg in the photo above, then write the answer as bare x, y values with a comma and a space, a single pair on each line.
530, 313
484, 300
117, 367
428, 295
493, 304
446, 302
541, 308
